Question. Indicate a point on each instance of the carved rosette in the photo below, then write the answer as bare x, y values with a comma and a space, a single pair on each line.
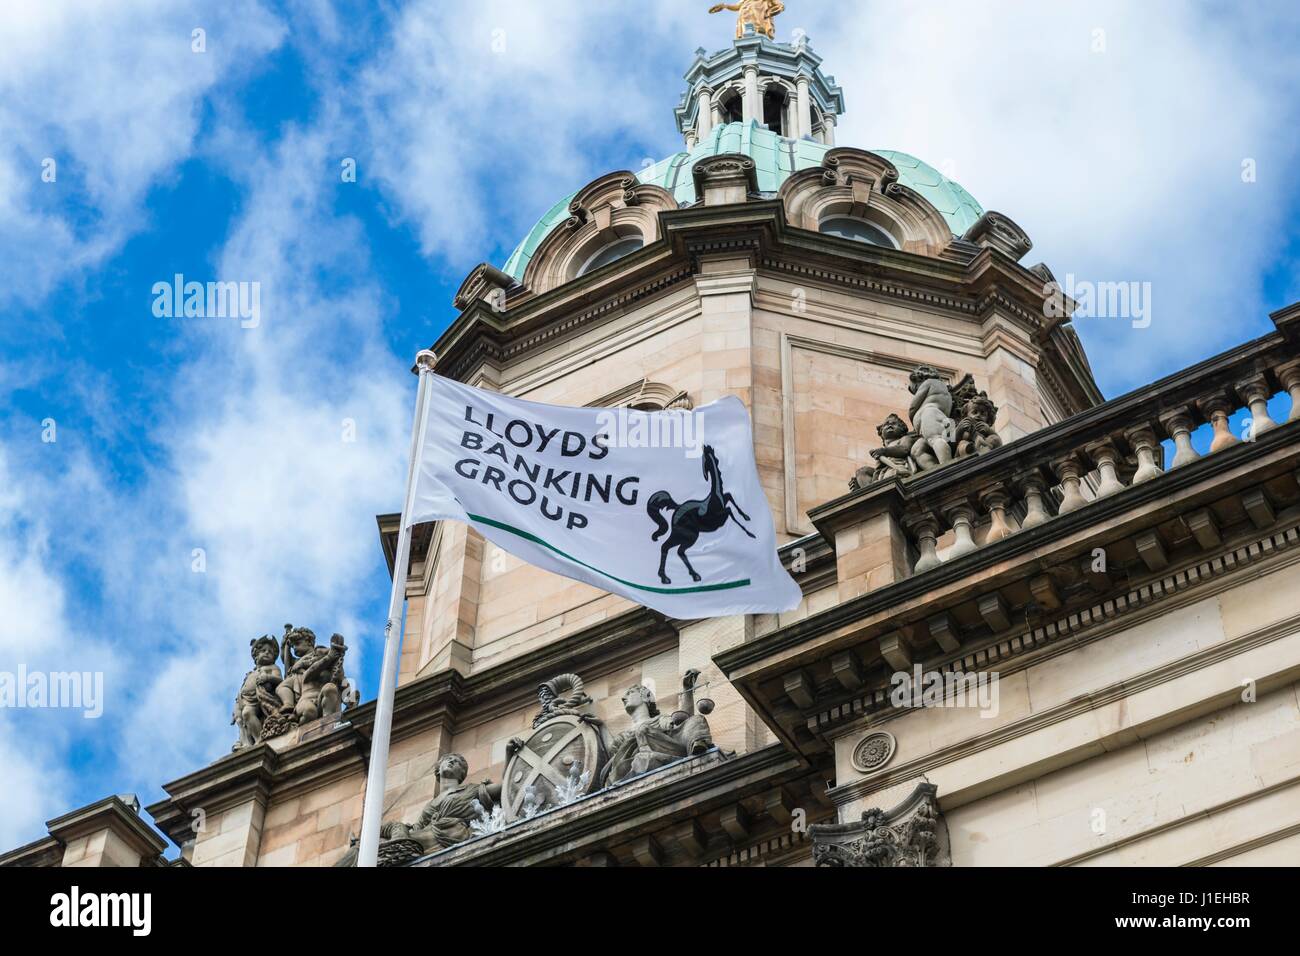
912, 834
873, 752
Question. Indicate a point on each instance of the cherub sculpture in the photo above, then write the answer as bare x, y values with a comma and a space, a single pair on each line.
759, 13
257, 698
313, 682
934, 437
975, 434
931, 412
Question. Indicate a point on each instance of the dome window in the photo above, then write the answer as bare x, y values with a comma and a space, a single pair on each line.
859, 230
774, 111
732, 107
607, 254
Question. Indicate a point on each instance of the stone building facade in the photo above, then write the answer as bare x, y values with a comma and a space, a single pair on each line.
1098, 621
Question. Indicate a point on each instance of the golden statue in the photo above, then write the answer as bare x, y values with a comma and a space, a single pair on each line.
757, 12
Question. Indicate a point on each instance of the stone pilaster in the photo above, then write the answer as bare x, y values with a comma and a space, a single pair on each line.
450, 612
726, 289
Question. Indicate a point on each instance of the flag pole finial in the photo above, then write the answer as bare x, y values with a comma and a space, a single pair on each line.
425, 360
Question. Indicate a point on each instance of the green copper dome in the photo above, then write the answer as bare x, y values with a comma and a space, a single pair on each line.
776, 158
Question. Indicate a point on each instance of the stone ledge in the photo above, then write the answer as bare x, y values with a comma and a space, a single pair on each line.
630, 813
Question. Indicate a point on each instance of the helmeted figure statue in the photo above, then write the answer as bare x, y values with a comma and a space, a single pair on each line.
444, 822
257, 698
655, 739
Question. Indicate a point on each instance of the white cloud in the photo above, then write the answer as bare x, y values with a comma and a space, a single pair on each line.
35, 635
32, 599
35, 789
113, 94
283, 443
1122, 165
476, 124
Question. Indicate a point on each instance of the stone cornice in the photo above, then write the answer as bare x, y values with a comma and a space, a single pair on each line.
47, 851
680, 791
108, 814
1042, 539
242, 776
973, 283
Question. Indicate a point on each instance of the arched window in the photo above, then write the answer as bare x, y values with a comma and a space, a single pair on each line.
859, 230
607, 254
732, 107
774, 111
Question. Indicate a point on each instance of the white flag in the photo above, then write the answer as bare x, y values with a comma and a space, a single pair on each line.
663, 508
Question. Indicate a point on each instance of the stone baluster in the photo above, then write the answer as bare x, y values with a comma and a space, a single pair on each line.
995, 500
1289, 376
1105, 457
1069, 473
1255, 394
925, 529
1143, 441
1034, 489
1178, 425
1217, 409
961, 517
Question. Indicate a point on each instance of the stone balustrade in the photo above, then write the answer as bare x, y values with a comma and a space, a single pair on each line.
962, 507
1092, 456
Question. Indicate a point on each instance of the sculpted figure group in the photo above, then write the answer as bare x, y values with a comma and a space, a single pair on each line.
311, 685
948, 422
569, 754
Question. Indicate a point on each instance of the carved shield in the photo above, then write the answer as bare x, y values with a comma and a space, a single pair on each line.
552, 763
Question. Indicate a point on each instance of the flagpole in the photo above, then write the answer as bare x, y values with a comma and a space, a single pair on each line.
373, 809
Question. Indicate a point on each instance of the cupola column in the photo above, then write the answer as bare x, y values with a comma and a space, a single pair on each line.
803, 107
704, 115
828, 129
752, 109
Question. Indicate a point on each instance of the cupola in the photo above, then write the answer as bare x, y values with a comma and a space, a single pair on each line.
778, 86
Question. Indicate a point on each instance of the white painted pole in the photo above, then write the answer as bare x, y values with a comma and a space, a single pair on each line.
372, 811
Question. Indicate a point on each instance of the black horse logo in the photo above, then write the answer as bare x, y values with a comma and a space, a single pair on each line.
692, 518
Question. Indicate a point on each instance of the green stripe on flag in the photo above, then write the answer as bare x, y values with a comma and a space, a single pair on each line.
528, 536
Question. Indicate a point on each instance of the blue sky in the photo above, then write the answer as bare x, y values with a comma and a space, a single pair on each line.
1120, 152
